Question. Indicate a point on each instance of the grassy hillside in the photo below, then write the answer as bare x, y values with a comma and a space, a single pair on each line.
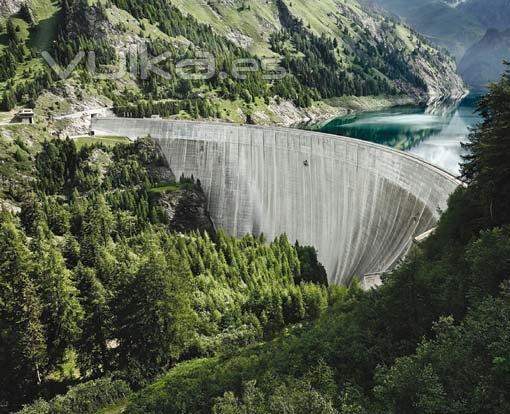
328, 49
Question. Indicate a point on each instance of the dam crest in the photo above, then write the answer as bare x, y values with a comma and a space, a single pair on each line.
360, 204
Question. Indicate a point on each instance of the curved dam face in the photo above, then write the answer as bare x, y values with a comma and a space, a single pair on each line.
359, 204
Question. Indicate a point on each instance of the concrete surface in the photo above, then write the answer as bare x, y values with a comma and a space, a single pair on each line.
360, 204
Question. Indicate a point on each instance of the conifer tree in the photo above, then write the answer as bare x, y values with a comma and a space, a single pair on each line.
153, 321
22, 340
95, 327
487, 165
61, 310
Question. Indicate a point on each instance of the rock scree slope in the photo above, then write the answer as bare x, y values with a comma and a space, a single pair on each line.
360, 204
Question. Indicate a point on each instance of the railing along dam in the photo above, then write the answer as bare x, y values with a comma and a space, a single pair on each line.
360, 204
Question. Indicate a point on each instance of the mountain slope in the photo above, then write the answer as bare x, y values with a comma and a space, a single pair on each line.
329, 48
494, 15
458, 25
440, 22
482, 62
360, 34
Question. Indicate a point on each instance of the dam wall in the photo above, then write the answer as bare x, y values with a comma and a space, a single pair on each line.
360, 204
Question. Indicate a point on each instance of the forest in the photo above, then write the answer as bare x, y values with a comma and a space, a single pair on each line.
98, 292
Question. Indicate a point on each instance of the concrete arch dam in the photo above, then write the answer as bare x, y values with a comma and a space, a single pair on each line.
360, 204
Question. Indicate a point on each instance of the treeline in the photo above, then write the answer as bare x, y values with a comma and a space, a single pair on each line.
92, 279
196, 108
433, 338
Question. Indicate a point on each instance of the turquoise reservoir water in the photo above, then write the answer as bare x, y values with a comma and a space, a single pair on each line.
433, 133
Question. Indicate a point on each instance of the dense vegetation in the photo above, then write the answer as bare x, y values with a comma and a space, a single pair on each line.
433, 338
86, 398
94, 283
14, 55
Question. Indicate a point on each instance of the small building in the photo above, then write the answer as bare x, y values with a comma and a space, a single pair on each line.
371, 281
155, 116
25, 116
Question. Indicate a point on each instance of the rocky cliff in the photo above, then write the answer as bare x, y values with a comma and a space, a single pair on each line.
186, 210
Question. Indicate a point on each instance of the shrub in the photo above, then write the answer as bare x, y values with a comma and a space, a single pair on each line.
83, 398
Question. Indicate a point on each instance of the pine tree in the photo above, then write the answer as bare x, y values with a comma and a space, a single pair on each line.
22, 340
487, 165
95, 326
97, 227
30, 330
153, 321
61, 309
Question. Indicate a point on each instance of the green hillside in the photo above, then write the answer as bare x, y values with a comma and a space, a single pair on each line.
327, 49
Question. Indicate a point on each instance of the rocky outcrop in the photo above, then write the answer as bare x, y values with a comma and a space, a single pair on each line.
441, 79
8, 7
186, 210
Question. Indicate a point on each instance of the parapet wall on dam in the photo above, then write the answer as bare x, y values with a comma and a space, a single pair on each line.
360, 204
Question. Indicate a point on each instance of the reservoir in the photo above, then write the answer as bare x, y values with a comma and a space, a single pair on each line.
434, 133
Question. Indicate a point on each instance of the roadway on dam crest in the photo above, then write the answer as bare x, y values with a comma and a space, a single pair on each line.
360, 204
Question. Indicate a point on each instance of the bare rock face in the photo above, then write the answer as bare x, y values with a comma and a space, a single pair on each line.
186, 210
8, 7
